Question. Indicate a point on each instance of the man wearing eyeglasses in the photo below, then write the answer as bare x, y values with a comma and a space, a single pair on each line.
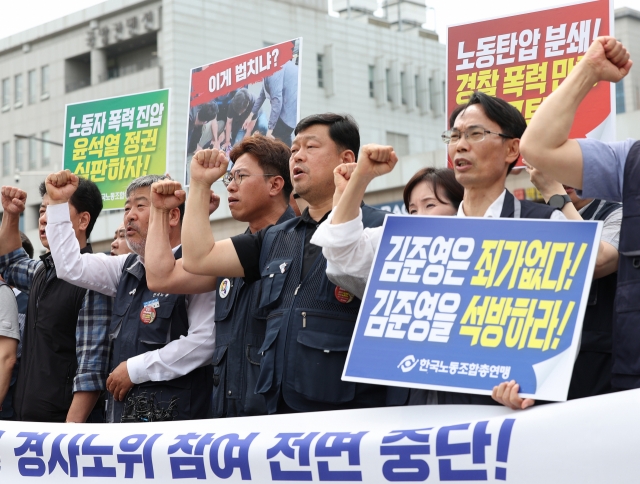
309, 320
483, 145
258, 189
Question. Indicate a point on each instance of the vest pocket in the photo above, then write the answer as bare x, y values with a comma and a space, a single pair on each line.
324, 340
273, 279
219, 375
268, 352
254, 404
156, 334
224, 305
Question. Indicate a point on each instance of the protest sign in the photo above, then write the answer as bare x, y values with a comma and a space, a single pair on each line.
113, 141
592, 440
256, 92
524, 58
462, 304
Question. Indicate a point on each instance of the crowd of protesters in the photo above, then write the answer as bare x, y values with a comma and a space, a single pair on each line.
261, 323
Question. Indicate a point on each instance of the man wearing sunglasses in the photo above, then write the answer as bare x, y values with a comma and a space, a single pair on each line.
258, 189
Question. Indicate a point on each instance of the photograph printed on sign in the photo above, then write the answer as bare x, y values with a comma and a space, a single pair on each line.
233, 99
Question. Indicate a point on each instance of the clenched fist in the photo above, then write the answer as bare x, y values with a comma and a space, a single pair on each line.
167, 195
376, 160
61, 186
607, 59
207, 166
13, 200
341, 175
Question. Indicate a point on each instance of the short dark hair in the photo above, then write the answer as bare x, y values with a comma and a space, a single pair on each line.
343, 129
26, 245
86, 198
207, 112
440, 178
455, 113
510, 120
272, 156
240, 101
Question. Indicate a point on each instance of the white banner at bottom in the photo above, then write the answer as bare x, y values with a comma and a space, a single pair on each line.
594, 440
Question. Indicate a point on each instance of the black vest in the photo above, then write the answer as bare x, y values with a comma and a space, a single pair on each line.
592, 369
44, 388
309, 330
512, 208
132, 337
240, 333
626, 332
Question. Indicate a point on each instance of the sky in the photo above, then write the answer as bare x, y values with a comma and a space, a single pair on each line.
21, 15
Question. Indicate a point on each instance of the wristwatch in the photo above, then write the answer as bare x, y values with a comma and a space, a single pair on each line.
559, 201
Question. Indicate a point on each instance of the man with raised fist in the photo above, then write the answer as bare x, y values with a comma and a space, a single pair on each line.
65, 348
607, 171
162, 342
258, 187
309, 320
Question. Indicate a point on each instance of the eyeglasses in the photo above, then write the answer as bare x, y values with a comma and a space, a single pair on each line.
473, 135
237, 177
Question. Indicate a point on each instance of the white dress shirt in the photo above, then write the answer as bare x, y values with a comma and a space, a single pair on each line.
101, 273
350, 248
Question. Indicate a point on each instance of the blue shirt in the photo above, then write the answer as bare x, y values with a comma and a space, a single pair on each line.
603, 168
282, 89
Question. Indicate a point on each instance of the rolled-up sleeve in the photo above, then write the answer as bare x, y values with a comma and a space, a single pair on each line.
183, 355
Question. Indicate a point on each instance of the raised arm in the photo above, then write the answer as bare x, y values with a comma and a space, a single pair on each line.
97, 272
546, 144
164, 272
201, 254
13, 203
374, 160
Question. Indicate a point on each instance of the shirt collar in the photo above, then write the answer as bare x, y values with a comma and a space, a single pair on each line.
306, 218
494, 210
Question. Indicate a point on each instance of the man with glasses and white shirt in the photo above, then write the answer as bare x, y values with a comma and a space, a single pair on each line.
483, 144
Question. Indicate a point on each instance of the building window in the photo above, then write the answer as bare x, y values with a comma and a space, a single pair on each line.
620, 97
33, 150
6, 93
6, 159
46, 149
417, 88
32, 86
44, 82
19, 144
403, 95
17, 90
372, 80
387, 74
431, 95
320, 66
444, 97
400, 143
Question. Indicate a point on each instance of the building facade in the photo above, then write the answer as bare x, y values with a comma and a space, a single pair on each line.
387, 72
